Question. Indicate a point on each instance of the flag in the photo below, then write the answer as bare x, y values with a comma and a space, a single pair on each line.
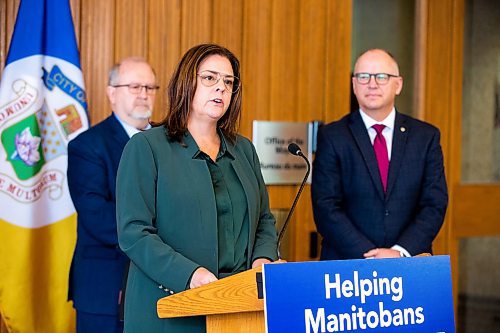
42, 107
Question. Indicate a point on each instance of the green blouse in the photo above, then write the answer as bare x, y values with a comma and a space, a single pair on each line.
232, 211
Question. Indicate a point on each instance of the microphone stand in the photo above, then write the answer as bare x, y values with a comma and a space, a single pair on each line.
296, 152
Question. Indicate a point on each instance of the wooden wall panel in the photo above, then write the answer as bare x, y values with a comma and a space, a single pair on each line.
164, 49
97, 52
443, 89
227, 25
439, 56
284, 60
196, 22
454, 135
283, 81
256, 63
477, 210
310, 79
76, 14
131, 29
309, 74
338, 59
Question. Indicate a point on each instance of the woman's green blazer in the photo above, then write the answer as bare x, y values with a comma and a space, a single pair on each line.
167, 221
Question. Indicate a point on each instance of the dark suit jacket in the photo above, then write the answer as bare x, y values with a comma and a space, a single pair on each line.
98, 263
167, 222
351, 211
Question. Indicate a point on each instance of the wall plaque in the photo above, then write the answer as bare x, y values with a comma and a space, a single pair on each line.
271, 139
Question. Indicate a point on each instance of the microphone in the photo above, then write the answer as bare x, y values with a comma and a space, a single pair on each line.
294, 149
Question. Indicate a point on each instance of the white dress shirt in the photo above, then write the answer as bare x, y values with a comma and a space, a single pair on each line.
387, 133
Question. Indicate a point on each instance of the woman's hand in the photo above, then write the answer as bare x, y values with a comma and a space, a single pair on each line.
201, 276
260, 262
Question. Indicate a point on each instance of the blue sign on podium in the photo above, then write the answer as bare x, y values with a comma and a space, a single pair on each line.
381, 295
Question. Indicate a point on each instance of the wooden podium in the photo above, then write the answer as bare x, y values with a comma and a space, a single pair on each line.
230, 304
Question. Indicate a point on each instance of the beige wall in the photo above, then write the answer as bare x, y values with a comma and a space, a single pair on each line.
390, 25
481, 138
481, 108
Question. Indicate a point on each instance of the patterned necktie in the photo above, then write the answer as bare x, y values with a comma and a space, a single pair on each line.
380, 147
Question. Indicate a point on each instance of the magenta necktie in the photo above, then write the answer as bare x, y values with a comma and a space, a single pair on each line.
380, 147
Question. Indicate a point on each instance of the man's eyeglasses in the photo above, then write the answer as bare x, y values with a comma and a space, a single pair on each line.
136, 88
210, 78
380, 78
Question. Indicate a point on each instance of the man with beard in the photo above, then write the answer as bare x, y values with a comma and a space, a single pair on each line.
98, 265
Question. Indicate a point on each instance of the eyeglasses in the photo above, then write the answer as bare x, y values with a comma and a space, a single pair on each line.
211, 78
380, 78
136, 88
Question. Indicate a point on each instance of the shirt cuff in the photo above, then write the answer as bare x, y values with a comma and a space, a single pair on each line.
401, 250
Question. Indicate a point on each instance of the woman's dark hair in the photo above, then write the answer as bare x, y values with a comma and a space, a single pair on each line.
182, 88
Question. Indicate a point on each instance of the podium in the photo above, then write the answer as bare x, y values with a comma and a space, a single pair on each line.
230, 304
386, 295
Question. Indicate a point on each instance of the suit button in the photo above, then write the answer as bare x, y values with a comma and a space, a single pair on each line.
386, 212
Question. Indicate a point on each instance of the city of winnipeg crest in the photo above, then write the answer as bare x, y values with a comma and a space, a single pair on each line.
41, 110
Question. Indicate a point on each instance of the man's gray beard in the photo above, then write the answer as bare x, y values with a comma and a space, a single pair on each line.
142, 115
